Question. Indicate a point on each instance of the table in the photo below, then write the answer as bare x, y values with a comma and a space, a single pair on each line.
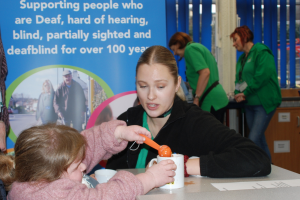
201, 188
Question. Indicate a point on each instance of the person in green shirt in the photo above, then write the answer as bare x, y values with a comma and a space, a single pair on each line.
202, 74
257, 82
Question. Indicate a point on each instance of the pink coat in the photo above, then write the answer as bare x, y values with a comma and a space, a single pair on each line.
101, 145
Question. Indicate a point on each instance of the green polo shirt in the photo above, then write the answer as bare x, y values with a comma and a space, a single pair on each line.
198, 57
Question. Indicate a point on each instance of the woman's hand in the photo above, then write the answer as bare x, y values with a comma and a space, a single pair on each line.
131, 133
196, 101
240, 97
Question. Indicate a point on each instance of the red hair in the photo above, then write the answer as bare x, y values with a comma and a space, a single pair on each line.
245, 34
181, 38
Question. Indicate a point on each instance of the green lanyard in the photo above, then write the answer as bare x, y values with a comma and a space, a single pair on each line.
141, 162
241, 70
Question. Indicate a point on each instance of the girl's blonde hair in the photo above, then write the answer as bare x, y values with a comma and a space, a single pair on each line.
44, 153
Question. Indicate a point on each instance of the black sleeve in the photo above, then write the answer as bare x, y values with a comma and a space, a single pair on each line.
226, 153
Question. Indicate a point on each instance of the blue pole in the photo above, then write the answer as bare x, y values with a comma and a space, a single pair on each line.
170, 19
283, 43
292, 43
196, 21
249, 21
206, 23
274, 31
257, 22
267, 25
182, 15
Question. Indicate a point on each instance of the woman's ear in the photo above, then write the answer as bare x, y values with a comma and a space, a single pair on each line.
178, 83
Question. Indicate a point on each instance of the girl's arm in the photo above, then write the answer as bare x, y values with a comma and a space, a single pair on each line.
101, 143
109, 138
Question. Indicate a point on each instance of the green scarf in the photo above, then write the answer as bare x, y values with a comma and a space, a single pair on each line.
141, 162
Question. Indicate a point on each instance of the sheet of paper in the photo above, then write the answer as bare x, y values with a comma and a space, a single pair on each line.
256, 185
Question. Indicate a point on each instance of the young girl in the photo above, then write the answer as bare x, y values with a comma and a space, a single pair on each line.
50, 161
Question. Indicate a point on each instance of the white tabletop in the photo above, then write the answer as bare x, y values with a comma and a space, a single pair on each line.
201, 188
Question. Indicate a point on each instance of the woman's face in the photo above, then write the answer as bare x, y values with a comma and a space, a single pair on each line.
177, 51
156, 88
237, 43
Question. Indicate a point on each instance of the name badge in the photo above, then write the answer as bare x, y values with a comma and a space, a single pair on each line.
237, 87
243, 86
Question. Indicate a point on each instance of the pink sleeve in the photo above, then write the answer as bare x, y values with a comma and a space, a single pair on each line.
123, 185
101, 143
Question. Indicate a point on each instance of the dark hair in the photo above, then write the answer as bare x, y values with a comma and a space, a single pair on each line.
180, 38
245, 34
159, 55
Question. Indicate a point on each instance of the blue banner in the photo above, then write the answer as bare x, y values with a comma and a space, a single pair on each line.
99, 42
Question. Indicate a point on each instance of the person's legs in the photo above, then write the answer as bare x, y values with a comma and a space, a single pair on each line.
249, 113
258, 121
219, 114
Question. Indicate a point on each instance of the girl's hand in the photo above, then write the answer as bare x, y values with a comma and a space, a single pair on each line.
158, 175
131, 133
154, 163
162, 173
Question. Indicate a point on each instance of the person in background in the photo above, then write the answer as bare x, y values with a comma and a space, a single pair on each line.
202, 74
45, 110
185, 128
69, 101
4, 115
50, 161
256, 81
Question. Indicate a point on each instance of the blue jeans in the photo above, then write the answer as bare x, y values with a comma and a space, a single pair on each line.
258, 121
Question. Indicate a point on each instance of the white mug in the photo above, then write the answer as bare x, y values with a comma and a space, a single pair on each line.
179, 177
103, 175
